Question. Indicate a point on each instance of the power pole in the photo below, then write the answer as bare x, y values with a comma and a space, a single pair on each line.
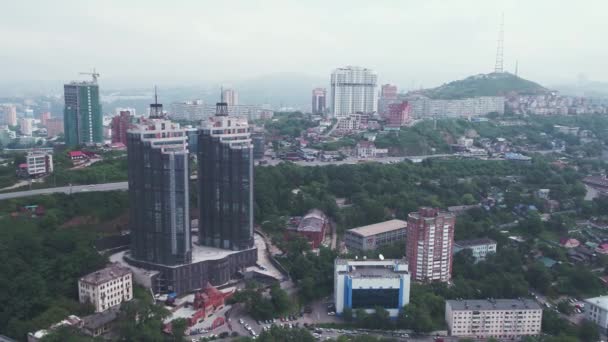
498, 67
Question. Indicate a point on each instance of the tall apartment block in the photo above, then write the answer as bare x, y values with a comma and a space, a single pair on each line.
44, 117
430, 240
388, 91
319, 96
54, 127
398, 114
9, 112
158, 192
26, 126
225, 159
231, 97
82, 117
353, 90
120, 124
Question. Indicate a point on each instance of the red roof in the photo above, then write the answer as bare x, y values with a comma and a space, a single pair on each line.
23, 166
365, 144
73, 154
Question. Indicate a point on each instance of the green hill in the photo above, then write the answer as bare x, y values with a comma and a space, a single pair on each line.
493, 84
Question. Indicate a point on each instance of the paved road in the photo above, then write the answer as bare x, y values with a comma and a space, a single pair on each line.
67, 190
124, 185
350, 160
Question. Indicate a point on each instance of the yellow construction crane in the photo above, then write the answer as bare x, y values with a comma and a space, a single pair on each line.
93, 74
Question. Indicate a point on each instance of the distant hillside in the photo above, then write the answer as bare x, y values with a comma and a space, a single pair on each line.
593, 89
493, 84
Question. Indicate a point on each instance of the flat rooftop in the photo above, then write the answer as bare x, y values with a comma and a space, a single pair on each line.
204, 253
199, 253
430, 214
494, 304
372, 268
374, 272
601, 302
378, 228
138, 272
106, 274
474, 242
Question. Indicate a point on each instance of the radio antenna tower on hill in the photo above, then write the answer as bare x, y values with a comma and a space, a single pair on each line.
498, 67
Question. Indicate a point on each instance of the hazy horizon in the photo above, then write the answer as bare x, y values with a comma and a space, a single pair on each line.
411, 44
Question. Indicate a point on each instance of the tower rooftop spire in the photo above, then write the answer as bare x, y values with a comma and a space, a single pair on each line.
221, 108
156, 109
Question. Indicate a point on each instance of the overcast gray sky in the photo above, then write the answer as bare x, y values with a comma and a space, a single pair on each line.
411, 43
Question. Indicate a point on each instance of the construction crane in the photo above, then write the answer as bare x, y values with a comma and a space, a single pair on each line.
93, 74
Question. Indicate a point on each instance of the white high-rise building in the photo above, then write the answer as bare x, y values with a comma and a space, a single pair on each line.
231, 97
353, 90
26, 126
10, 114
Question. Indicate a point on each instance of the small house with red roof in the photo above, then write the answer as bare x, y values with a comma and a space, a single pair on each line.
76, 155
569, 243
602, 248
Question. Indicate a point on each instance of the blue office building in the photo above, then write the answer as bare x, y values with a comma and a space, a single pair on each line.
366, 284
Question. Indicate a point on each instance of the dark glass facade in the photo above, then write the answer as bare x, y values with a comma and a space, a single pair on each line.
158, 196
82, 117
225, 177
192, 140
259, 142
370, 298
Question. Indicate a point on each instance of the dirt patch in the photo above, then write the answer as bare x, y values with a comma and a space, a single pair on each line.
112, 227
79, 221
115, 226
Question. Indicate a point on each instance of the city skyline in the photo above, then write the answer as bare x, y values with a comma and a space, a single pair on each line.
442, 51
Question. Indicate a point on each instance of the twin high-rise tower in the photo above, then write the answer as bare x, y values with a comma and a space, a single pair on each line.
159, 192
225, 173
159, 200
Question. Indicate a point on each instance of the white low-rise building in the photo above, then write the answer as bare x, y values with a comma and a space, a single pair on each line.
370, 237
366, 284
498, 318
39, 163
107, 287
597, 312
480, 247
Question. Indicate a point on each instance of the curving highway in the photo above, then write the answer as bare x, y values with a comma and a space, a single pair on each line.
73, 189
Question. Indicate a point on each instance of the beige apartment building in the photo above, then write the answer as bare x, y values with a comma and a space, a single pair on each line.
107, 287
498, 318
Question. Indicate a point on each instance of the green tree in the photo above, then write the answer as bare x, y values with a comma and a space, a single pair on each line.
280, 299
347, 314
140, 319
467, 199
276, 334
565, 307
539, 277
587, 331
178, 328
